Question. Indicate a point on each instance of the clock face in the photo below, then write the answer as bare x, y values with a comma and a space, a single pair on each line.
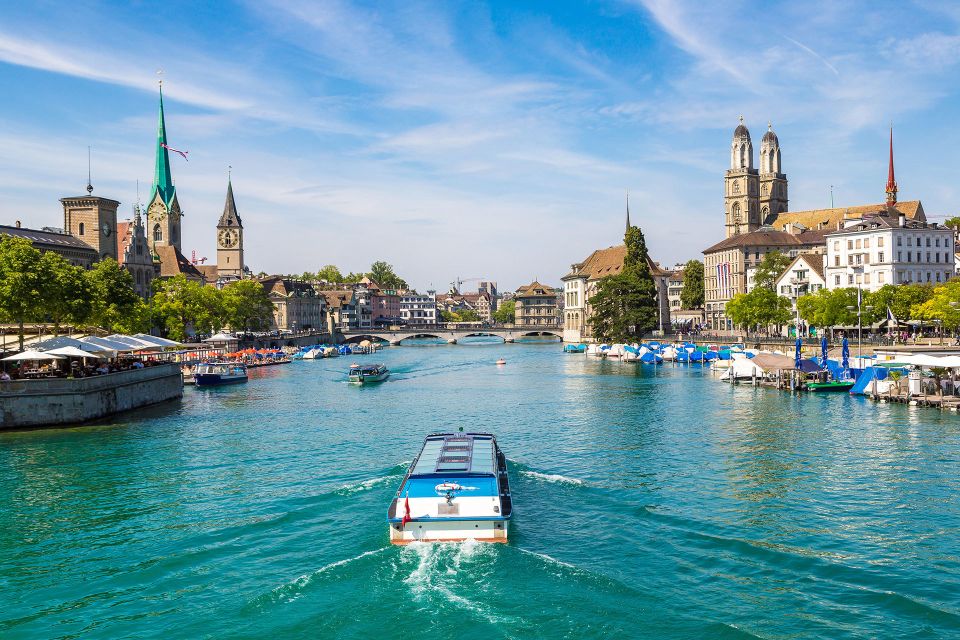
228, 238
106, 229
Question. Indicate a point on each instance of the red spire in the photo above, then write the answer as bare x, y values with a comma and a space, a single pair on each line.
891, 180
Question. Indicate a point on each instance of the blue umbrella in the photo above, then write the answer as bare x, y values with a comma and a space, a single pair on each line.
845, 354
823, 352
796, 360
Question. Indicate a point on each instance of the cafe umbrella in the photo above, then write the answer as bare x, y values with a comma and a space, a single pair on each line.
33, 355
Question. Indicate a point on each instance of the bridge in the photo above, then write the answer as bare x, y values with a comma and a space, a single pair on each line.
450, 334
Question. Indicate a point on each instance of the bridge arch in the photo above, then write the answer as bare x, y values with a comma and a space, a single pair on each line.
540, 333
356, 339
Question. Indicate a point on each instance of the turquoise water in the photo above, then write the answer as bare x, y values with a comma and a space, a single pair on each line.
648, 501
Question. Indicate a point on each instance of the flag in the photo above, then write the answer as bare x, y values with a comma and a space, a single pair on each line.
890, 317
182, 153
406, 516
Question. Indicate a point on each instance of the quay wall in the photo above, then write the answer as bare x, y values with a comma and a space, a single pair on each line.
62, 401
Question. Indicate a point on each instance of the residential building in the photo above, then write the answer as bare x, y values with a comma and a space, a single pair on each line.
490, 288
341, 310
886, 248
362, 292
296, 304
536, 306
803, 276
482, 303
419, 309
384, 303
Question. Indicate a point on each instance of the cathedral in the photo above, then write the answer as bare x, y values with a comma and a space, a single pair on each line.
754, 198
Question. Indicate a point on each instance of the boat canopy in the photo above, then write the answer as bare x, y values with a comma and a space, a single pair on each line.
461, 453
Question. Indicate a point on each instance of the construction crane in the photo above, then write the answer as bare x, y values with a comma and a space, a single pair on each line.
194, 259
456, 284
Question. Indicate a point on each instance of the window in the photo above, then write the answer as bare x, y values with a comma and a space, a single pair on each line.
899, 256
866, 278
849, 244
880, 277
880, 256
937, 242
858, 245
157, 233
866, 243
836, 245
836, 280
909, 241
928, 256
859, 258
850, 259
80, 229
836, 261
899, 241
850, 278
880, 241
909, 256
928, 276
928, 241
938, 276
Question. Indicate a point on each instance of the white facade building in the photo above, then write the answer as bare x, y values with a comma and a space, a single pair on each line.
888, 249
419, 309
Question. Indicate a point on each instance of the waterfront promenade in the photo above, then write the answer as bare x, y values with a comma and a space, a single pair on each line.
649, 501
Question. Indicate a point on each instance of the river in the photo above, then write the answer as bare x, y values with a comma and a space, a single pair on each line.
648, 502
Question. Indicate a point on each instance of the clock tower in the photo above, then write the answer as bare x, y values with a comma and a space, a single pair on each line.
230, 239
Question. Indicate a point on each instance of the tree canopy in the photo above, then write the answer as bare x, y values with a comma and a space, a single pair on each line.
625, 304
691, 296
769, 269
506, 312
247, 305
759, 308
383, 274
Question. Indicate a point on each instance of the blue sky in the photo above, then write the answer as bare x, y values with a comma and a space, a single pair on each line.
472, 139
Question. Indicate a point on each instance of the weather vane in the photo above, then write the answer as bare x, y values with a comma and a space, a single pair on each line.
160, 77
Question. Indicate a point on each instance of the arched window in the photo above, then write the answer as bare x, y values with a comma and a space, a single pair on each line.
735, 212
139, 277
139, 248
157, 233
743, 156
80, 229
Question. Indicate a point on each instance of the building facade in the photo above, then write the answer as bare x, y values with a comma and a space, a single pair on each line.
134, 255
76, 252
296, 304
92, 220
536, 306
419, 309
803, 276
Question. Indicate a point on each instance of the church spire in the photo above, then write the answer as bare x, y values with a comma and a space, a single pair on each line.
891, 179
230, 217
628, 210
162, 178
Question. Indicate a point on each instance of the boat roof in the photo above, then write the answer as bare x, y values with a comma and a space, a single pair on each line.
366, 367
457, 453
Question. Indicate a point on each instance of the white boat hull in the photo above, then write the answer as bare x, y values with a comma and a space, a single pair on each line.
447, 531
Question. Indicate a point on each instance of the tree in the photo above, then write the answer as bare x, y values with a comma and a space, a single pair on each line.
902, 299
625, 304
114, 303
329, 273
769, 269
759, 308
953, 223
65, 294
383, 274
691, 297
941, 305
468, 315
506, 312
180, 305
247, 305
20, 297
353, 278
829, 307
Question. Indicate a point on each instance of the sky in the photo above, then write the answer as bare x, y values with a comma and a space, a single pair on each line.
479, 140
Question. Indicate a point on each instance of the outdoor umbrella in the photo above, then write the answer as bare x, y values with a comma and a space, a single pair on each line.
823, 352
845, 354
796, 358
33, 355
73, 352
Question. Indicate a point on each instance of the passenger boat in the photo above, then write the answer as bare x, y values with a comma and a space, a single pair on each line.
832, 385
209, 374
367, 373
457, 489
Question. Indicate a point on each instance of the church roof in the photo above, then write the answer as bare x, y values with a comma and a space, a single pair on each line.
173, 263
162, 177
230, 217
830, 218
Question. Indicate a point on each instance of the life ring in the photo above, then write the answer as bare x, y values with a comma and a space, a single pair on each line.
447, 487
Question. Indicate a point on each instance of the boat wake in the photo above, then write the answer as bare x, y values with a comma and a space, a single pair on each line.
294, 589
551, 477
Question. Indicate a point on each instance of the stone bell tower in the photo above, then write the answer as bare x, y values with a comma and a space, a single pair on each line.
230, 239
741, 186
773, 182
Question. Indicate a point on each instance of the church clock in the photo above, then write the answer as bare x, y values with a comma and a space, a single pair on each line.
228, 238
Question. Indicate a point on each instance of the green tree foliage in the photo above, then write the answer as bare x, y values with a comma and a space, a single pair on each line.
770, 268
383, 274
65, 294
20, 297
247, 305
829, 308
938, 306
760, 308
115, 305
182, 307
953, 223
506, 312
625, 304
330, 273
902, 300
691, 297
464, 315
353, 278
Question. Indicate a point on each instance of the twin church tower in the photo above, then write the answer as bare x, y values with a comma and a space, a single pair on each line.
163, 226
753, 198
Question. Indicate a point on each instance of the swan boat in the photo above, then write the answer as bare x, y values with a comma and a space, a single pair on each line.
456, 489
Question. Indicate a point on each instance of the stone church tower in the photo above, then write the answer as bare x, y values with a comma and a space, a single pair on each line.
92, 220
773, 182
230, 239
742, 186
163, 210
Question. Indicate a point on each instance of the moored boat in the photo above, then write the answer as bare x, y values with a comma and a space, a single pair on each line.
210, 374
831, 385
457, 489
367, 373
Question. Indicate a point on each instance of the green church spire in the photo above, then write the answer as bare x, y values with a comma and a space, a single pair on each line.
162, 178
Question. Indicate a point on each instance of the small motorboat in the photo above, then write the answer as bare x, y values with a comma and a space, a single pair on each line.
574, 348
367, 373
831, 385
456, 489
211, 374
501, 361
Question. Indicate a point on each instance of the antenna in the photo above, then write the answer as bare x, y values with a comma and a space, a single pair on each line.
89, 183
831, 196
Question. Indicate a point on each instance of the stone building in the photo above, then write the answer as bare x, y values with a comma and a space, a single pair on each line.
134, 255
536, 306
482, 303
77, 252
92, 220
417, 309
230, 263
341, 310
296, 304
